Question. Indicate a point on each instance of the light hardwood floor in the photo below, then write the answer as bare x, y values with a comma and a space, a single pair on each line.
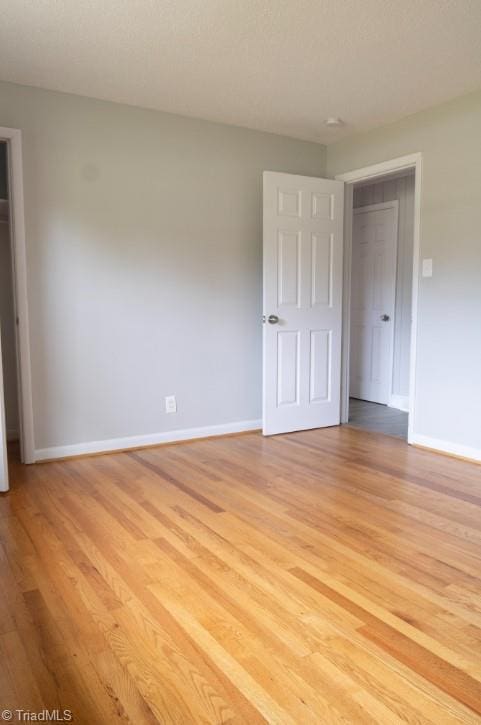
317, 577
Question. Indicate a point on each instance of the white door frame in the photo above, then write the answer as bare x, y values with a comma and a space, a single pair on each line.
412, 161
13, 138
394, 204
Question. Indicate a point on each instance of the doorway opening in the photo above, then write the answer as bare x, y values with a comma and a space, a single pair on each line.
380, 300
7, 312
16, 411
381, 285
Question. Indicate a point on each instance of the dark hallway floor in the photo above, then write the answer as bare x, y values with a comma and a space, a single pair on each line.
378, 418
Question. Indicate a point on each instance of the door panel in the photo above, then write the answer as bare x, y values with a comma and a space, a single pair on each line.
320, 370
303, 219
374, 245
288, 368
289, 268
321, 269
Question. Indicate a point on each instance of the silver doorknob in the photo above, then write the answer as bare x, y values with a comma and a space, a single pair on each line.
273, 319
385, 318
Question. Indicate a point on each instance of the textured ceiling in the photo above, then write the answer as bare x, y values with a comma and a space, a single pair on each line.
276, 65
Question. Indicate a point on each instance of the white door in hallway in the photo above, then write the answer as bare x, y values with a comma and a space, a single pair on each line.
3, 430
373, 292
303, 246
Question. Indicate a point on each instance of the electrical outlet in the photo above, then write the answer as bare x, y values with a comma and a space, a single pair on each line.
170, 404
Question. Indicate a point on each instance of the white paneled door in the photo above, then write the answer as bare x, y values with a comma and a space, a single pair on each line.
3, 430
303, 243
374, 246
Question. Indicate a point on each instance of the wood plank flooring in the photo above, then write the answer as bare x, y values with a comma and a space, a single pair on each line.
318, 577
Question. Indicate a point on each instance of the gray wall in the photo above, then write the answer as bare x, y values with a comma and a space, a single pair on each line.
448, 387
144, 264
402, 190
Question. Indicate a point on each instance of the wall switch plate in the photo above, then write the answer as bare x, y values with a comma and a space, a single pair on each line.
170, 404
427, 267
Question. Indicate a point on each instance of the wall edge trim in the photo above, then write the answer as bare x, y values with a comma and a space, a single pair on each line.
149, 439
448, 447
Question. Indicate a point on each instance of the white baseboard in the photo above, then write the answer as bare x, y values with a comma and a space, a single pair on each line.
152, 439
401, 402
454, 449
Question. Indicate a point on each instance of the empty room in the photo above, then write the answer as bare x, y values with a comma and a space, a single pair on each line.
240, 361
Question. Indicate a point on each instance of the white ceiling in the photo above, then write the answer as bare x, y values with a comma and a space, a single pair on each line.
276, 65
